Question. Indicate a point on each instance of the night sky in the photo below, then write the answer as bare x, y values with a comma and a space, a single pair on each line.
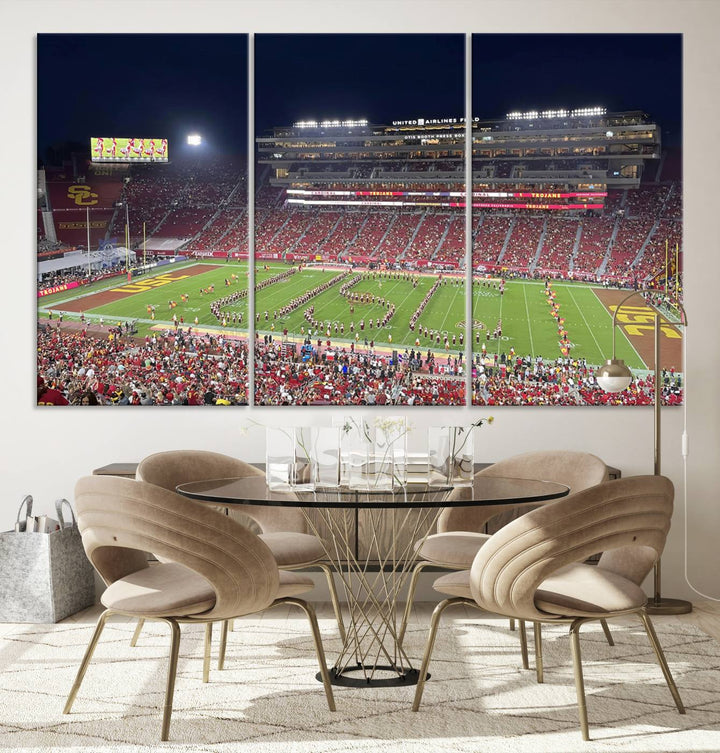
167, 85
381, 77
147, 86
547, 71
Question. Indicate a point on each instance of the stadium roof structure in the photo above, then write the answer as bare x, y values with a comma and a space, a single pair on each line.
586, 149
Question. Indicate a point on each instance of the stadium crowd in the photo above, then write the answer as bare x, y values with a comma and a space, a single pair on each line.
171, 368
205, 203
346, 377
563, 381
625, 245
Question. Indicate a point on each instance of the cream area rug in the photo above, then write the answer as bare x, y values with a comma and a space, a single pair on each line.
266, 700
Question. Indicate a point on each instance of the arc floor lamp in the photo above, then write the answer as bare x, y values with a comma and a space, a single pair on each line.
615, 376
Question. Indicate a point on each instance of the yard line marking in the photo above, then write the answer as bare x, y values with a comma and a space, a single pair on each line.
497, 350
449, 309
477, 299
589, 328
527, 314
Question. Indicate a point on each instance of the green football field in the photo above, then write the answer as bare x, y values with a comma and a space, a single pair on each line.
527, 325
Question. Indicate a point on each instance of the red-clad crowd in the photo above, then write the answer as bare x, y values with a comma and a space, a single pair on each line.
171, 368
565, 381
345, 377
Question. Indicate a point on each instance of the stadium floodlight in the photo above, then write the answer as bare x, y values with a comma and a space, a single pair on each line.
584, 112
554, 114
615, 376
581, 112
194, 139
334, 123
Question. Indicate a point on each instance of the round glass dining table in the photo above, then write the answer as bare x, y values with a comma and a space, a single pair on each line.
393, 523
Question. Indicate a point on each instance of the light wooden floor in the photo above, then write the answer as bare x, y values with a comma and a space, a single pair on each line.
705, 614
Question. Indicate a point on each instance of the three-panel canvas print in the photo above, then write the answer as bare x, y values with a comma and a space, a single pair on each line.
339, 219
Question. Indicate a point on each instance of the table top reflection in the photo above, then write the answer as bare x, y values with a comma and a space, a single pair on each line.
484, 490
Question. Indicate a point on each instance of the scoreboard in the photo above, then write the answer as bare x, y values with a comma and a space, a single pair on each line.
114, 149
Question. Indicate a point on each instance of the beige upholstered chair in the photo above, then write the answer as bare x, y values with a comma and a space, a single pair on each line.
461, 530
534, 568
283, 529
212, 567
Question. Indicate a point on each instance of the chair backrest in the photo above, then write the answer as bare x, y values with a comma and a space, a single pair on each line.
620, 518
168, 469
578, 470
121, 519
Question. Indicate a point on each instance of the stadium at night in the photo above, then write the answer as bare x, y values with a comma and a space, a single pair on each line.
360, 253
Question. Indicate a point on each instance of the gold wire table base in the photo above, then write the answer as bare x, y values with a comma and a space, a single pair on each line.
372, 654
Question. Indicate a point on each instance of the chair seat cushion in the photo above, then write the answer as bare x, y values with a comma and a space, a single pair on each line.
292, 584
580, 590
454, 584
292, 549
165, 589
575, 590
456, 549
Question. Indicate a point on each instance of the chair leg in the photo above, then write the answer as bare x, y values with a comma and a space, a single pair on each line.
223, 643
608, 634
523, 645
231, 625
319, 650
136, 634
172, 674
579, 682
434, 623
334, 598
89, 651
419, 567
650, 630
512, 623
537, 635
208, 643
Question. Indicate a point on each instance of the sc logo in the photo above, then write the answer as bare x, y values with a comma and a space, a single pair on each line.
82, 195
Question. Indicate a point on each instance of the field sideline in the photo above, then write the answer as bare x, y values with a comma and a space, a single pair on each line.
527, 324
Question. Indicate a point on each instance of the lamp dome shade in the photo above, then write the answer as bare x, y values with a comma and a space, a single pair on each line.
614, 376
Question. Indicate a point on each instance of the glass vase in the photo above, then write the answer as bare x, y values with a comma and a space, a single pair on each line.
451, 455
371, 468
391, 441
288, 458
303, 478
279, 457
326, 455
355, 435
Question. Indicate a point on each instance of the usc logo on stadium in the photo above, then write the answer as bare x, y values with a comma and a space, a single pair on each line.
82, 195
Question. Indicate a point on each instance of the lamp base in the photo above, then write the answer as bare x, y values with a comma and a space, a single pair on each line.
668, 606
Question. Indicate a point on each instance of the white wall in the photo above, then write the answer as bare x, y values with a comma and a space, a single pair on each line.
43, 451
